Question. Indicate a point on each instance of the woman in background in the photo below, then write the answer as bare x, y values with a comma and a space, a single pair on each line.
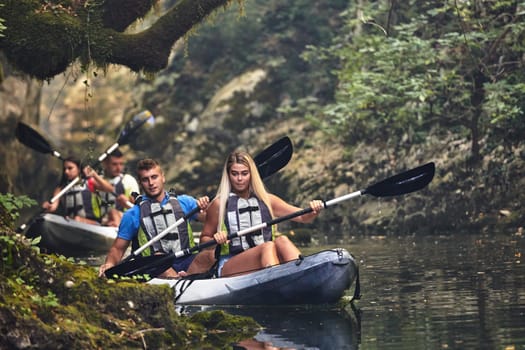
80, 202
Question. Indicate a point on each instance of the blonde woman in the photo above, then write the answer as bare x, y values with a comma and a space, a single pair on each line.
242, 201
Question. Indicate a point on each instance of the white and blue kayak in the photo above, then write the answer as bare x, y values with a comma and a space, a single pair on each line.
69, 237
320, 278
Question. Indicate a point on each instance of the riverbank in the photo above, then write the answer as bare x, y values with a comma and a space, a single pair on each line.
463, 197
51, 302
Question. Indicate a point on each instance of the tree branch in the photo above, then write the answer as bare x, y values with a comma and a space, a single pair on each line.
43, 40
149, 50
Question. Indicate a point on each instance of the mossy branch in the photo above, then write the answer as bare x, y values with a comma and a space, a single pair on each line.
149, 50
43, 40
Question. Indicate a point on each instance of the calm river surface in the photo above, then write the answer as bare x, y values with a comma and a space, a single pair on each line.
450, 292
425, 292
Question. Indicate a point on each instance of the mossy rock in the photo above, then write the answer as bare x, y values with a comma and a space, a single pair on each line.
48, 301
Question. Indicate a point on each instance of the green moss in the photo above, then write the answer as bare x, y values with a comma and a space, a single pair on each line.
43, 38
59, 38
50, 302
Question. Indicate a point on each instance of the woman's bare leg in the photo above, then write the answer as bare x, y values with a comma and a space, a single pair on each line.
286, 250
263, 255
203, 262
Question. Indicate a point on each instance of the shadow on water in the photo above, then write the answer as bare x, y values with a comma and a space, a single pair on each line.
319, 327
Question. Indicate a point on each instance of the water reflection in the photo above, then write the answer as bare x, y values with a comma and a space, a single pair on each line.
301, 328
454, 292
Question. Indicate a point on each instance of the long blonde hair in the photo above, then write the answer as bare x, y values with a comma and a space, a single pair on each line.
256, 183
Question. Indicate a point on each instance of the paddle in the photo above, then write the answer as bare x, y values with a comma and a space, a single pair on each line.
274, 157
269, 161
34, 140
406, 182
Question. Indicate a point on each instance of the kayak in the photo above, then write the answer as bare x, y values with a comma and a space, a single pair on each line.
69, 237
320, 278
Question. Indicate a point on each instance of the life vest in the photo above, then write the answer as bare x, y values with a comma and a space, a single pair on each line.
108, 199
242, 214
79, 200
154, 219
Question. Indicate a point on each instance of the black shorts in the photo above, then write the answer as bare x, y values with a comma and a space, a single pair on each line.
182, 264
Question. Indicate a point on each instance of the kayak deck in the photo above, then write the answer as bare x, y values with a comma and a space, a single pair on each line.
70, 237
320, 278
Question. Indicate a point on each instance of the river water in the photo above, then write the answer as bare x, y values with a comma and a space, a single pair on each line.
425, 292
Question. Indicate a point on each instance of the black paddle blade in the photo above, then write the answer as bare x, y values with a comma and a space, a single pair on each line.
32, 139
409, 181
274, 158
142, 268
135, 123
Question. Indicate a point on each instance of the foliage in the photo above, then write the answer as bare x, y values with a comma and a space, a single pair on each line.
12, 204
405, 71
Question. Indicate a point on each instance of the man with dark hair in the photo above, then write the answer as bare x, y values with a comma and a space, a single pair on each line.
124, 186
154, 212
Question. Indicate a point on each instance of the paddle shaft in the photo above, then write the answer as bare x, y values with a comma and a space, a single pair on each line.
263, 225
403, 183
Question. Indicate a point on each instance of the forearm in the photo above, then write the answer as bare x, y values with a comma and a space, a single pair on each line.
113, 257
102, 184
306, 218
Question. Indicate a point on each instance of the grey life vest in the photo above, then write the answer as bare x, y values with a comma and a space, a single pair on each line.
80, 201
154, 219
242, 214
108, 199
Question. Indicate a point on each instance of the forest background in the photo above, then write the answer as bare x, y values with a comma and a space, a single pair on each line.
364, 89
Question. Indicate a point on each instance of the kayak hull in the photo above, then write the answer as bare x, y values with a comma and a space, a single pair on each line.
69, 237
321, 278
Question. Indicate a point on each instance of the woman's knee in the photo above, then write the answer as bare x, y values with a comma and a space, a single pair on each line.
282, 240
268, 246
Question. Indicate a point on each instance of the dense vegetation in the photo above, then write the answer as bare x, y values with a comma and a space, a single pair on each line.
390, 85
365, 90
447, 67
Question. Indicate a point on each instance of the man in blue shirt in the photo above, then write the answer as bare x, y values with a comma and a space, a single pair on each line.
153, 213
